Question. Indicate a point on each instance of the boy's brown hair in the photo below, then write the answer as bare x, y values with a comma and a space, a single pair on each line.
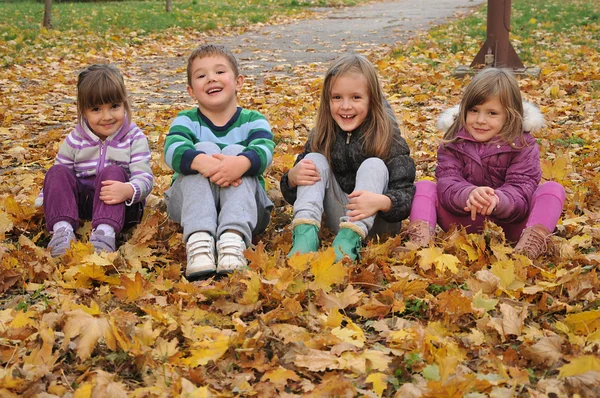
98, 85
209, 50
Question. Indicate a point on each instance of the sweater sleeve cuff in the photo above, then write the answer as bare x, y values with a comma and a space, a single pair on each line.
463, 197
185, 166
254, 163
135, 197
504, 207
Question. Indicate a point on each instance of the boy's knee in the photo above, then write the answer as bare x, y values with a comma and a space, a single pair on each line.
233, 150
208, 148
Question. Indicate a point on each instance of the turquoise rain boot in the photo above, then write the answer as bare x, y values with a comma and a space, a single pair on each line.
305, 239
347, 243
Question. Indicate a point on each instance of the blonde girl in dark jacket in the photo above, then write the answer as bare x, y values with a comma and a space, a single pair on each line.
355, 168
489, 167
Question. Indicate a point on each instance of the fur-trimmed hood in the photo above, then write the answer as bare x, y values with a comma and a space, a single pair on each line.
533, 119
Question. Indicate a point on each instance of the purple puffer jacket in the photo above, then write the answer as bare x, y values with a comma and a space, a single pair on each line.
513, 170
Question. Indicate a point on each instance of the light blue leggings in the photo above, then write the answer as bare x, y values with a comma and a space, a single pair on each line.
326, 197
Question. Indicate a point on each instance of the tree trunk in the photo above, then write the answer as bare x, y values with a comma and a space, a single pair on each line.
47, 23
169, 7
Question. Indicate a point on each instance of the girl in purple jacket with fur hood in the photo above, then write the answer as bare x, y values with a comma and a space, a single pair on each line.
489, 168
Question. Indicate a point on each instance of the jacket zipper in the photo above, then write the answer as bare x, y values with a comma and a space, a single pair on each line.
348, 135
102, 157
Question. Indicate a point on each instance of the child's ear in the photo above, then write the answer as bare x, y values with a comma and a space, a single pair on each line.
191, 92
239, 82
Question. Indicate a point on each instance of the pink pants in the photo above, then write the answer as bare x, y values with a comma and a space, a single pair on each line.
546, 208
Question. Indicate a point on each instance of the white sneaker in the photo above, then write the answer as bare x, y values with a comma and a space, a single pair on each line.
230, 249
200, 250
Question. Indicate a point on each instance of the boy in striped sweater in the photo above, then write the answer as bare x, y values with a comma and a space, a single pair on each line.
102, 169
219, 152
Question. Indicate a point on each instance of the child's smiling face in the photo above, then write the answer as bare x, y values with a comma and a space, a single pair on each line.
485, 121
349, 100
214, 84
105, 119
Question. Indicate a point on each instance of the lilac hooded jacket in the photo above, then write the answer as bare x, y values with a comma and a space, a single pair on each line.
511, 169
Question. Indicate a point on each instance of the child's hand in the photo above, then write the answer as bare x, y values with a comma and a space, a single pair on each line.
229, 171
482, 200
203, 163
303, 173
364, 204
115, 192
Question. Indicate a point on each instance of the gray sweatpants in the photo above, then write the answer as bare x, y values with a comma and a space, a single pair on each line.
326, 196
199, 205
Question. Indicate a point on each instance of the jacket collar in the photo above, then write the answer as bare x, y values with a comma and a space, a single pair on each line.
533, 119
87, 133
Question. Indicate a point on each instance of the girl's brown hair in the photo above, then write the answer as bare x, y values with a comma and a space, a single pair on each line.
489, 83
98, 85
377, 128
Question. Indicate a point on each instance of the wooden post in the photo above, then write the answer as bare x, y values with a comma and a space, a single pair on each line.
497, 50
47, 22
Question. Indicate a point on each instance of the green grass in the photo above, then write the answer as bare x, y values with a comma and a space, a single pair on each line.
555, 16
125, 21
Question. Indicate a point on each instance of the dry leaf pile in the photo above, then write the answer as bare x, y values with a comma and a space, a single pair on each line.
467, 317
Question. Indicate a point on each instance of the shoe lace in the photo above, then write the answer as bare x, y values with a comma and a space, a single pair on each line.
417, 233
534, 242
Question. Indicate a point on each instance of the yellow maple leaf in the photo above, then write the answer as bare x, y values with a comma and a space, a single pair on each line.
479, 301
505, 270
165, 349
556, 170
583, 323
580, 365
252, 289
380, 381
377, 360
334, 319
132, 290
6, 224
22, 319
326, 272
84, 391
89, 329
446, 262
350, 334
280, 376
301, 262
207, 350
428, 256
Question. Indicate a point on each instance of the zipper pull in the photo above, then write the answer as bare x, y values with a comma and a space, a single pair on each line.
348, 137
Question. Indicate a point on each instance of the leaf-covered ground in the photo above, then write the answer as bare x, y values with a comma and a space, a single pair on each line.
467, 317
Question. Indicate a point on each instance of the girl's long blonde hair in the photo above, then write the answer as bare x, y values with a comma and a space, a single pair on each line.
489, 83
98, 85
377, 129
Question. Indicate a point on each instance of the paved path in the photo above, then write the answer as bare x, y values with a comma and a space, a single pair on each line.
350, 29
307, 44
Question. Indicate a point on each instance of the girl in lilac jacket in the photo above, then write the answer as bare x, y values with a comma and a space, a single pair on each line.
102, 170
489, 168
